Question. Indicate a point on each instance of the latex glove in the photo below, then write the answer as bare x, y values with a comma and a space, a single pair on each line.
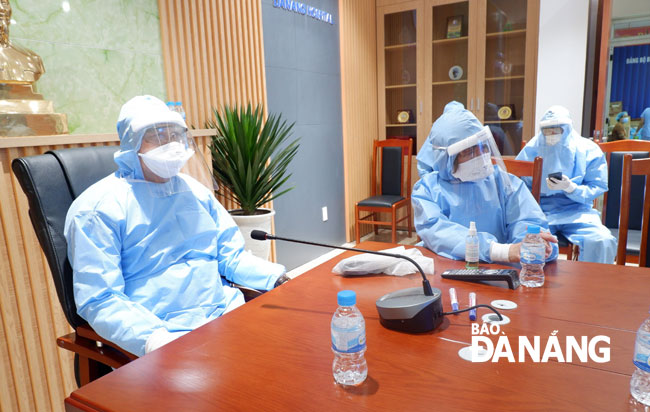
161, 337
565, 184
548, 239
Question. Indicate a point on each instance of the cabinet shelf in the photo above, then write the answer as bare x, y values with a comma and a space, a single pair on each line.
439, 41
449, 82
496, 48
501, 121
399, 46
401, 86
495, 79
511, 33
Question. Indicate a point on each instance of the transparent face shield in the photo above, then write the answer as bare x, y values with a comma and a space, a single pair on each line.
552, 135
475, 182
171, 162
473, 159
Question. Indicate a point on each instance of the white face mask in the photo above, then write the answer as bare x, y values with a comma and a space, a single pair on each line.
553, 139
475, 169
167, 160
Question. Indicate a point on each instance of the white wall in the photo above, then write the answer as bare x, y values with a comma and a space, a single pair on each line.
630, 8
561, 56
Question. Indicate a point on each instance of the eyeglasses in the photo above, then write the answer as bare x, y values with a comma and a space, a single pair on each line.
163, 135
551, 130
472, 152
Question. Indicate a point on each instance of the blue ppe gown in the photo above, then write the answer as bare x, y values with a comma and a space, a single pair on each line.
644, 133
572, 214
143, 262
443, 205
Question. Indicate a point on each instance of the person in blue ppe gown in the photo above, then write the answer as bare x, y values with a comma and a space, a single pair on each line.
567, 202
643, 129
459, 183
150, 243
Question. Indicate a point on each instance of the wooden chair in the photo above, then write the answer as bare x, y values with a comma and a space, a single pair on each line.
612, 200
521, 168
634, 167
391, 187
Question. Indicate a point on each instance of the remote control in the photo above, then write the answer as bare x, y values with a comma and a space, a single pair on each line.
508, 275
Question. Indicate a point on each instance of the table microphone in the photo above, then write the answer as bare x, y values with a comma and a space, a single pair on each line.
411, 310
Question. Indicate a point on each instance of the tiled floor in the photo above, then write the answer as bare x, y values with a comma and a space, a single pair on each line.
385, 236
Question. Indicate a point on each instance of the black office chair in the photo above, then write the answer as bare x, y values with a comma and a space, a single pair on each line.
51, 182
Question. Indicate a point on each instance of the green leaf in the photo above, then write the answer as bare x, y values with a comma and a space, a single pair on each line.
246, 154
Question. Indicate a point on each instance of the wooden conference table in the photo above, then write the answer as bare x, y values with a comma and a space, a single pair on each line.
274, 352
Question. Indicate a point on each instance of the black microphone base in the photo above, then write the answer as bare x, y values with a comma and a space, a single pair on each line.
410, 310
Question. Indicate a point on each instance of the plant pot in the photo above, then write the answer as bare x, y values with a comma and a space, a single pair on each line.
248, 223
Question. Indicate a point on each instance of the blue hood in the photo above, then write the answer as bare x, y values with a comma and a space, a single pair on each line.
455, 124
136, 116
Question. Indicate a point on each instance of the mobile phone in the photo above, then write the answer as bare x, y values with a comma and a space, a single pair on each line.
555, 176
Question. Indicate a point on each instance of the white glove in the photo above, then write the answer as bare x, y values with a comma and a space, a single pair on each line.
565, 184
161, 337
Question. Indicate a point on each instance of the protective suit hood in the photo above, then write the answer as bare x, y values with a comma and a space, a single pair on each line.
136, 116
455, 124
557, 116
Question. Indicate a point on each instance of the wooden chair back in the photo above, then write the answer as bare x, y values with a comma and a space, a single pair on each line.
633, 167
608, 148
387, 156
521, 168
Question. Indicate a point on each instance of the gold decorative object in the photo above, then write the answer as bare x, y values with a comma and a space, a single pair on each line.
404, 116
22, 111
505, 112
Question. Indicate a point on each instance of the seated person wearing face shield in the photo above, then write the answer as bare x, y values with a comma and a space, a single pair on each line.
567, 201
148, 244
459, 184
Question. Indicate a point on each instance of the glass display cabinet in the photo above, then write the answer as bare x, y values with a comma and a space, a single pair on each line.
481, 53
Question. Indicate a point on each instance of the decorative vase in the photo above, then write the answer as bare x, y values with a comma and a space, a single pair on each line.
248, 223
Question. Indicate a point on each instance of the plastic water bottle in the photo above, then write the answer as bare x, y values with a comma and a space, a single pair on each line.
533, 251
348, 341
640, 383
180, 110
471, 247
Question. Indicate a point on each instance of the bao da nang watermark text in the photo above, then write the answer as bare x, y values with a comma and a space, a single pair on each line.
536, 348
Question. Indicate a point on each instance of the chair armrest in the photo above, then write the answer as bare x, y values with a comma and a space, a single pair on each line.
107, 354
85, 331
249, 293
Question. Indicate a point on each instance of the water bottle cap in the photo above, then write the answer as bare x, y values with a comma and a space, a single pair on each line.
346, 298
533, 229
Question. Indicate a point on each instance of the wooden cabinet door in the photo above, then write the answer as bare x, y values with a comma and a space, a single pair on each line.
450, 54
506, 70
400, 71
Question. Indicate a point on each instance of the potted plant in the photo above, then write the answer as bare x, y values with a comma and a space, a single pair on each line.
247, 159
